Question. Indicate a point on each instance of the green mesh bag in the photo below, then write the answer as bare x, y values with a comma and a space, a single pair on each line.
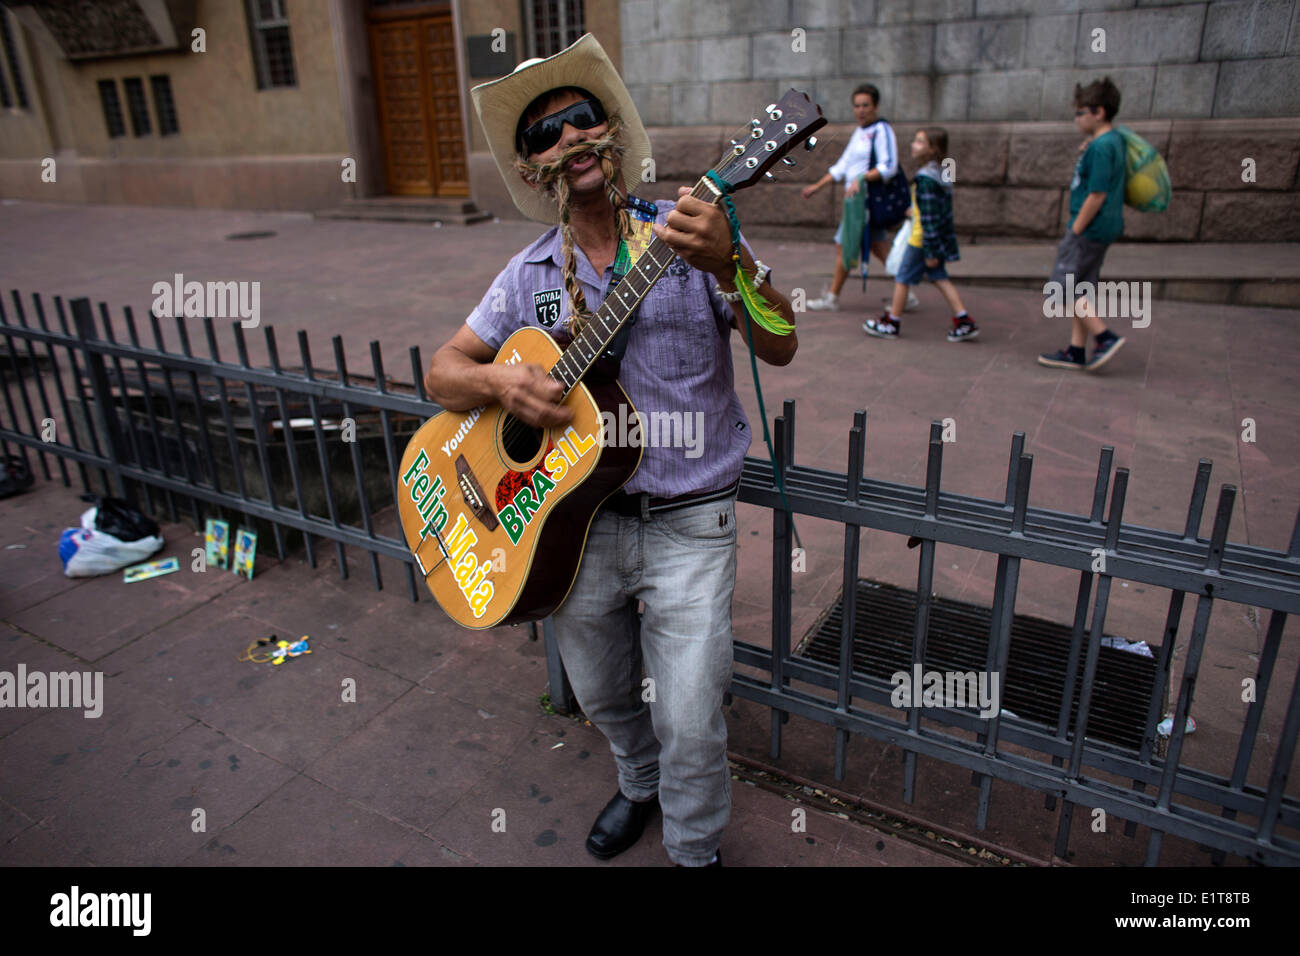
1146, 187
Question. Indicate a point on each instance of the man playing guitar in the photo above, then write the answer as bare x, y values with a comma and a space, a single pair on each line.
668, 539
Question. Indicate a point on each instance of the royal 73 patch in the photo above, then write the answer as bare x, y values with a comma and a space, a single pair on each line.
547, 306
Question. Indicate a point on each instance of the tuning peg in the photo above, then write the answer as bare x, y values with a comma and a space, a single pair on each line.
769, 176
788, 161
735, 142
810, 143
755, 123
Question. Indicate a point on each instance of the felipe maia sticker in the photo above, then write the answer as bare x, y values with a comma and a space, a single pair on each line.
547, 306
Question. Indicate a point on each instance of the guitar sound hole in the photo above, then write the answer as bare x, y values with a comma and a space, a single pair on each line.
520, 440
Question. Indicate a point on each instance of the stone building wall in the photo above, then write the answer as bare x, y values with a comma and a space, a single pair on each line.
1011, 179
690, 63
1209, 84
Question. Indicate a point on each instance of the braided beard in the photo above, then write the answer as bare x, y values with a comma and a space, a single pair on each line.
550, 179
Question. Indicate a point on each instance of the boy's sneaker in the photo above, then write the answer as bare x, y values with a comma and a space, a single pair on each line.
1061, 359
1104, 353
829, 302
963, 331
913, 303
884, 327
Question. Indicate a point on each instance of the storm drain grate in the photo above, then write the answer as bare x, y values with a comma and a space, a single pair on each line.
958, 641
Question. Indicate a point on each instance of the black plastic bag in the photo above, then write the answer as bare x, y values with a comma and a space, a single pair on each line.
118, 518
15, 476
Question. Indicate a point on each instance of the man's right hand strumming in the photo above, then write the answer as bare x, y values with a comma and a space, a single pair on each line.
529, 394
462, 375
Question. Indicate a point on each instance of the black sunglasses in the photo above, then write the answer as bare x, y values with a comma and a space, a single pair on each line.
546, 132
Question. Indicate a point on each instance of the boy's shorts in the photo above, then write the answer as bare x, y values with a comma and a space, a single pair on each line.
1080, 256
914, 267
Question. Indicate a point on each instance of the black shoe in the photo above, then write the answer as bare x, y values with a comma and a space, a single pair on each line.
619, 826
885, 327
1105, 353
963, 331
1061, 359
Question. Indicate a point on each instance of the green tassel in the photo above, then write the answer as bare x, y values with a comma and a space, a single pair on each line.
758, 308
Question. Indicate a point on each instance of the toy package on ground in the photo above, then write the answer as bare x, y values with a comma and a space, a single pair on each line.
151, 569
245, 553
216, 538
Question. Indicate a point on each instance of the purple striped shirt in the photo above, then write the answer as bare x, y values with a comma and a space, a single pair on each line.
677, 370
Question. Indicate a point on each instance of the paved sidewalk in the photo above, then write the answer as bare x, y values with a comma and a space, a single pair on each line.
1179, 391
445, 736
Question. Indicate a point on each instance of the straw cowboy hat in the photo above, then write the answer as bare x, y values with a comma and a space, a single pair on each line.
500, 103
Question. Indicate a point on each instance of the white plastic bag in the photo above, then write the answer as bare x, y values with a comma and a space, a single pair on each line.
894, 261
86, 551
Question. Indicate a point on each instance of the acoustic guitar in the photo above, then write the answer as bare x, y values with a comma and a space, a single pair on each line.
495, 511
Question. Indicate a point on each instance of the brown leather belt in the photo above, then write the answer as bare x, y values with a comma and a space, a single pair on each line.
634, 506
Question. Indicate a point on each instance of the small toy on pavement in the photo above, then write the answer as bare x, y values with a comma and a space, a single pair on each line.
279, 650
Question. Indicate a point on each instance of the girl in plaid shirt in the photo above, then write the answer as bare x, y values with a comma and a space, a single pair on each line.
932, 243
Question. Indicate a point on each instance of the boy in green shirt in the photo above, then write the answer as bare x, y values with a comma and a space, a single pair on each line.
1096, 220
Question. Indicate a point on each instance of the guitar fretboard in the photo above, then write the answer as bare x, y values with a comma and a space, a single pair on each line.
619, 305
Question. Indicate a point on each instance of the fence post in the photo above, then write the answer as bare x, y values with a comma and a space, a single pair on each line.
105, 417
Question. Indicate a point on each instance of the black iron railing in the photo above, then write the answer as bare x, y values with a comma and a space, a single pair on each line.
197, 434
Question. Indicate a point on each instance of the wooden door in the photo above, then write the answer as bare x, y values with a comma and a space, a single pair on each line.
418, 91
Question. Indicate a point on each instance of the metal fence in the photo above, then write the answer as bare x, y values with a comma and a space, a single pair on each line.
199, 435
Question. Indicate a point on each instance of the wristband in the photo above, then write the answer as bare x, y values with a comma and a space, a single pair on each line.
761, 273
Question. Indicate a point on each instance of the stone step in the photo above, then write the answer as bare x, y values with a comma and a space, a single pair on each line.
460, 212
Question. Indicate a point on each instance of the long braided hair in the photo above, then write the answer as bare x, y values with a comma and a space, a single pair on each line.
550, 178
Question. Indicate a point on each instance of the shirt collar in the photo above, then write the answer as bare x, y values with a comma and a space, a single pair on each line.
549, 245
546, 246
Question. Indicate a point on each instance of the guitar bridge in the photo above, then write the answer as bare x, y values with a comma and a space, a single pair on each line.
472, 494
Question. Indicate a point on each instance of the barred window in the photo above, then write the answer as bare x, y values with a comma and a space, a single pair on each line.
554, 24
112, 108
268, 28
136, 104
164, 105
10, 57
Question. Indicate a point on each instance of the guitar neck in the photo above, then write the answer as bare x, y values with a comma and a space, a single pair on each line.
620, 304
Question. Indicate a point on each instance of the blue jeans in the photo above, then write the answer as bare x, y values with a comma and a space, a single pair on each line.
668, 733
913, 267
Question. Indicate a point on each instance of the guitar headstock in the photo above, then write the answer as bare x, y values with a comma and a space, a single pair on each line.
783, 126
